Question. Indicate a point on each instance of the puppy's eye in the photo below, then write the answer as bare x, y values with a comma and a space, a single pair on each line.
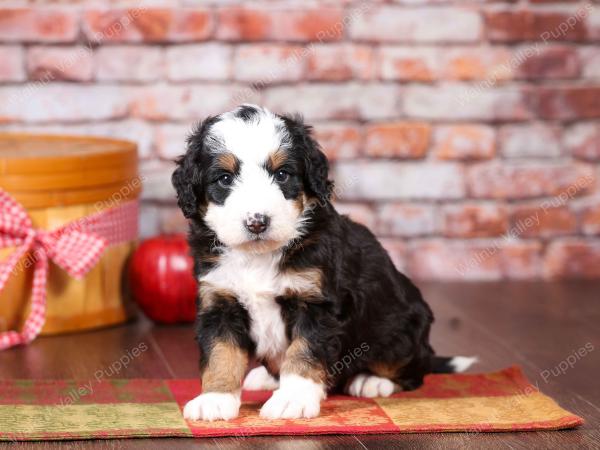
225, 180
281, 176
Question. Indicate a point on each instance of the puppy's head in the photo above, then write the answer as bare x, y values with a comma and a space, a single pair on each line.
253, 177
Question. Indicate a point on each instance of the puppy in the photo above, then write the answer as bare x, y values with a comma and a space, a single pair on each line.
285, 279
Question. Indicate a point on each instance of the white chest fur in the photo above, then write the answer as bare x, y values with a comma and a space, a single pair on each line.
256, 281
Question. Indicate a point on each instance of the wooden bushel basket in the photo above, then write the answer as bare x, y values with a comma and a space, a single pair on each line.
58, 179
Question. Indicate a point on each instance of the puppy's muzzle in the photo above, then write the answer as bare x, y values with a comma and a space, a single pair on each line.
257, 223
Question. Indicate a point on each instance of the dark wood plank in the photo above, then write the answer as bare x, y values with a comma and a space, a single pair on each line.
81, 356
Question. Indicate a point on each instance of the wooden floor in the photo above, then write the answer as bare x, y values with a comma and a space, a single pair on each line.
534, 325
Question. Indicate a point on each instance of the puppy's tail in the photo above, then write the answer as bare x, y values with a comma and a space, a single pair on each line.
451, 364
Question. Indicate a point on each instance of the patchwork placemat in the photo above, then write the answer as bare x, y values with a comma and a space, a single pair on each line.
53, 410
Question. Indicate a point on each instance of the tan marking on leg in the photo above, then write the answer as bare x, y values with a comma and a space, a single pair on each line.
299, 361
226, 367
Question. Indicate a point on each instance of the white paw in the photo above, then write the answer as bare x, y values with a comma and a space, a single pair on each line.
297, 398
259, 379
213, 406
364, 385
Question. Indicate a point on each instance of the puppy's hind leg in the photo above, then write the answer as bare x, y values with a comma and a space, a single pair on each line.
382, 380
369, 385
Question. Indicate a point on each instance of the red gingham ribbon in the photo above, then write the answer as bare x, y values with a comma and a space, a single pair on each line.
76, 247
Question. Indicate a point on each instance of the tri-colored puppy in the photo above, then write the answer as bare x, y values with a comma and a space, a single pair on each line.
286, 279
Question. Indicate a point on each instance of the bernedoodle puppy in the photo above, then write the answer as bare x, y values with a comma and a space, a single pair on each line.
285, 279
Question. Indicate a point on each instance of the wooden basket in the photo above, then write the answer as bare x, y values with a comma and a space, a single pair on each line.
59, 179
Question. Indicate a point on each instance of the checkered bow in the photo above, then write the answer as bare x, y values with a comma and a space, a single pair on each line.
75, 247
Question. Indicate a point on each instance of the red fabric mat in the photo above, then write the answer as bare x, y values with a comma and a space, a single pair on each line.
52, 410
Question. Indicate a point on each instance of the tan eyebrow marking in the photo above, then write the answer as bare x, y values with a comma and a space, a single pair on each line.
277, 159
228, 161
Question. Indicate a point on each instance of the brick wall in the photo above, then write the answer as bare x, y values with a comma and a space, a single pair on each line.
465, 133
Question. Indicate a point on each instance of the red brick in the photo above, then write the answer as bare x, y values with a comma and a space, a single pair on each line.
63, 102
590, 62
60, 63
537, 221
424, 24
398, 139
529, 180
299, 25
474, 260
38, 25
583, 141
465, 102
444, 260
566, 102
590, 218
445, 63
359, 212
322, 25
148, 24
210, 61
592, 21
474, 220
339, 101
269, 63
390, 180
464, 142
551, 62
522, 260
406, 219
170, 140
340, 62
397, 250
171, 220
339, 141
531, 140
192, 25
409, 64
149, 225
188, 102
11, 64
243, 24
157, 181
528, 25
129, 63
573, 258
481, 63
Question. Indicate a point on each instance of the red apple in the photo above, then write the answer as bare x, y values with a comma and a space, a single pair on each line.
162, 281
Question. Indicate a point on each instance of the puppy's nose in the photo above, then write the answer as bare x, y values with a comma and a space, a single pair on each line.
257, 223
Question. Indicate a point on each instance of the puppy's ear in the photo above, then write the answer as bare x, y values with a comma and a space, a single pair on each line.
316, 166
188, 176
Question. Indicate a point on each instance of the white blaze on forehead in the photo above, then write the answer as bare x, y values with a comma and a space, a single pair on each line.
252, 141
254, 190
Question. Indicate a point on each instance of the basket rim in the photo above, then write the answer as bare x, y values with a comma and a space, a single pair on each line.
118, 153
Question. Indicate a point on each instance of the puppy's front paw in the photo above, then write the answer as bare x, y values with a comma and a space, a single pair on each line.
213, 406
259, 379
296, 398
